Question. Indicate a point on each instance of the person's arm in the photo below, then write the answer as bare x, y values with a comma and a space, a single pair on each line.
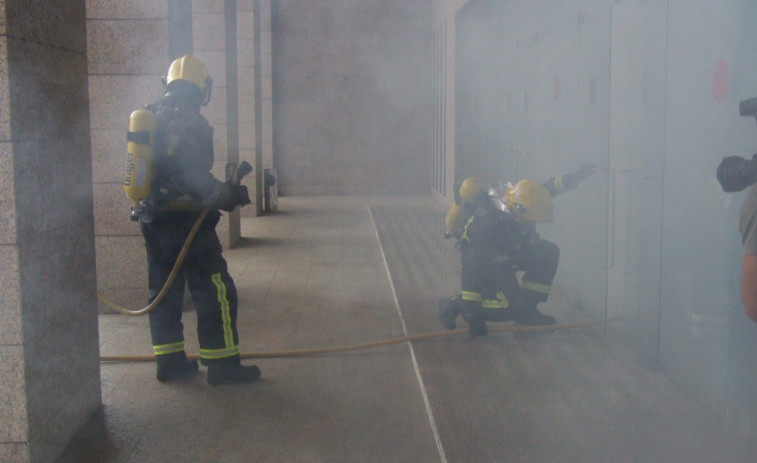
196, 146
565, 182
749, 285
194, 138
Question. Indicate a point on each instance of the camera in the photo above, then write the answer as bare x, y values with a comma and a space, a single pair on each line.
748, 107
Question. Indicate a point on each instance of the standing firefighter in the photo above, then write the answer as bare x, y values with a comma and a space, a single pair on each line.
499, 239
180, 186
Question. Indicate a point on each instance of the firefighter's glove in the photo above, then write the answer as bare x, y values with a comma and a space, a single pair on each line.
736, 173
585, 171
237, 196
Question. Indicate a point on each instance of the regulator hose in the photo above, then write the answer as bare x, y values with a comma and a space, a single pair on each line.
169, 281
370, 345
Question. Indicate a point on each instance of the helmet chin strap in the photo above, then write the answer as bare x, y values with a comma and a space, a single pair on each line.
208, 91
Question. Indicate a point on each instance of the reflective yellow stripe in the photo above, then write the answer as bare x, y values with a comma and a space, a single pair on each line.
465, 230
492, 304
500, 303
168, 348
471, 296
228, 334
219, 353
536, 287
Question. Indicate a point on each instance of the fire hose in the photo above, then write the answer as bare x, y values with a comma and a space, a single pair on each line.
169, 281
371, 345
244, 169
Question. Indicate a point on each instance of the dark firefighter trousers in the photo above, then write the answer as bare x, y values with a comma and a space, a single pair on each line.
205, 273
490, 283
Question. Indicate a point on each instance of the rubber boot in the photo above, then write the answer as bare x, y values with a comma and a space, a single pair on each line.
477, 327
473, 314
231, 371
175, 366
535, 318
528, 314
449, 309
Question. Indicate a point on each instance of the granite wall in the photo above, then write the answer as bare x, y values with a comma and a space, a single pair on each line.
49, 363
70, 76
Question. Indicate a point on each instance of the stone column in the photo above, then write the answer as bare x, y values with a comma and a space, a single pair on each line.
247, 128
127, 52
254, 93
214, 35
49, 355
266, 85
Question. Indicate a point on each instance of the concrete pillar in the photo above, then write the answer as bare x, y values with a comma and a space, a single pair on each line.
266, 82
246, 94
49, 356
254, 94
214, 25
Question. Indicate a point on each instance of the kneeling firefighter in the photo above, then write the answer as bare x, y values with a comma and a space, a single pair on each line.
177, 185
497, 240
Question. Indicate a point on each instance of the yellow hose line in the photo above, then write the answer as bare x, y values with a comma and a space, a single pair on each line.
169, 281
369, 345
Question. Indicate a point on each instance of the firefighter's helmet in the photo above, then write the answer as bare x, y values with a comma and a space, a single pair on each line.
470, 189
190, 69
529, 200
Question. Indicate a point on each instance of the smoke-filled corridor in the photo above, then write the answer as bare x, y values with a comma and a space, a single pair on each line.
361, 119
318, 275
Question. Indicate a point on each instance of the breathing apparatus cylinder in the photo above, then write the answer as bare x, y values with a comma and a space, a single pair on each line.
139, 158
464, 206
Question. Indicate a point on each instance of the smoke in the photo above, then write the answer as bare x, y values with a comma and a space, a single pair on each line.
353, 96
650, 236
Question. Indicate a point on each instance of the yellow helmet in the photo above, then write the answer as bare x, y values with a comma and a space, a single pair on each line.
470, 189
529, 200
190, 69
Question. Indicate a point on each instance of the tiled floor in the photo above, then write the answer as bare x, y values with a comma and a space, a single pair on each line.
336, 271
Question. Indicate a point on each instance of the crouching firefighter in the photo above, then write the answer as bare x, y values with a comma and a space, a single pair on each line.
170, 147
498, 240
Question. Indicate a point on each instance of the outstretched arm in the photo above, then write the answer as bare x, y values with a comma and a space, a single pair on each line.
565, 182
